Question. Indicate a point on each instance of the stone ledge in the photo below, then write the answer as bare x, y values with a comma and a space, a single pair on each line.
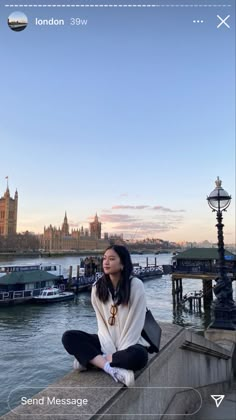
99, 388
168, 383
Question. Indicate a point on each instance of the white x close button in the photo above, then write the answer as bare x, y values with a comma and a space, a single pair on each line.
223, 21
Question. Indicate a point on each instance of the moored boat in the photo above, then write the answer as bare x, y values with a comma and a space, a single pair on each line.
20, 283
52, 294
145, 273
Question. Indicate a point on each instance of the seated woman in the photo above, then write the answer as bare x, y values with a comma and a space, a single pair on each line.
120, 306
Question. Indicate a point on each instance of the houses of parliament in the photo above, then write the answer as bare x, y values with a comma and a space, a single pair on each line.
79, 239
53, 239
8, 213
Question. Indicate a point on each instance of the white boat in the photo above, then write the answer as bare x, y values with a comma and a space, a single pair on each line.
52, 294
20, 283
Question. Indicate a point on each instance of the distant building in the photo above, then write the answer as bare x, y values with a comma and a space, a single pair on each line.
60, 239
8, 214
95, 228
116, 239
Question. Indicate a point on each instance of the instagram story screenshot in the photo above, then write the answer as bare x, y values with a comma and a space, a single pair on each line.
117, 210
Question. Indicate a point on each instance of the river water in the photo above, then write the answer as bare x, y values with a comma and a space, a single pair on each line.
30, 335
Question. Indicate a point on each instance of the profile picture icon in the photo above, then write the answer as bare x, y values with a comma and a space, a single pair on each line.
17, 21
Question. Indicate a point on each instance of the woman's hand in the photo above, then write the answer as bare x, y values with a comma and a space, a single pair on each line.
109, 358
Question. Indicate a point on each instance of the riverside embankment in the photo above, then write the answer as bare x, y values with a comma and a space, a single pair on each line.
30, 335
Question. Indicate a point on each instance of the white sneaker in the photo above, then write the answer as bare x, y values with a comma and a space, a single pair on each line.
125, 376
77, 366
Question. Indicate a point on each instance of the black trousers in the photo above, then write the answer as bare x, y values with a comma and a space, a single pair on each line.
86, 346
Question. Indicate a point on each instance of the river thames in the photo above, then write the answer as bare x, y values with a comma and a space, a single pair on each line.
32, 354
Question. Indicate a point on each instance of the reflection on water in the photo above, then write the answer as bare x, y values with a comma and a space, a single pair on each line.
30, 335
198, 321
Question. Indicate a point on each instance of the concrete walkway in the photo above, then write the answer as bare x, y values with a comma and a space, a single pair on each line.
226, 410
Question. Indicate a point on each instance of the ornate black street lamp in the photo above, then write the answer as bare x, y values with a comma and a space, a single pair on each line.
223, 308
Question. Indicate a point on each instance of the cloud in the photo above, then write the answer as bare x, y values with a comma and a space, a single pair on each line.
144, 206
166, 209
121, 207
160, 220
145, 227
168, 217
123, 195
141, 227
117, 218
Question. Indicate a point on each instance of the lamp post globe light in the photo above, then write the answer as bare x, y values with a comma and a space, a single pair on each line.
223, 308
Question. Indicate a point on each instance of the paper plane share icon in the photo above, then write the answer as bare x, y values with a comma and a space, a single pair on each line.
218, 399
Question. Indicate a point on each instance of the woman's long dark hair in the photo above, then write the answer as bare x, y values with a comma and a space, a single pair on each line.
104, 283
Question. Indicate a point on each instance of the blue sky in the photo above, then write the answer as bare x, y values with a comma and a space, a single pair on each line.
132, 117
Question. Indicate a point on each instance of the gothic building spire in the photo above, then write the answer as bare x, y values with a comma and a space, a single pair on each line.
95, 228
8, 213
65, 226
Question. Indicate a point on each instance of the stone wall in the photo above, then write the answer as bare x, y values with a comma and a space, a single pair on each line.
175, 381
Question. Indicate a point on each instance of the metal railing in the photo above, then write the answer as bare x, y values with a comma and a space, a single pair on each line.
148, 270
19, 294
201, 269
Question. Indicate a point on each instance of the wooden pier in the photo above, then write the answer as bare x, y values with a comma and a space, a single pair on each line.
81, 282
199, 264
194, 299
207, 290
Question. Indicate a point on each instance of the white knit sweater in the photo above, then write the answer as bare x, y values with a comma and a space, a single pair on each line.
129, 320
